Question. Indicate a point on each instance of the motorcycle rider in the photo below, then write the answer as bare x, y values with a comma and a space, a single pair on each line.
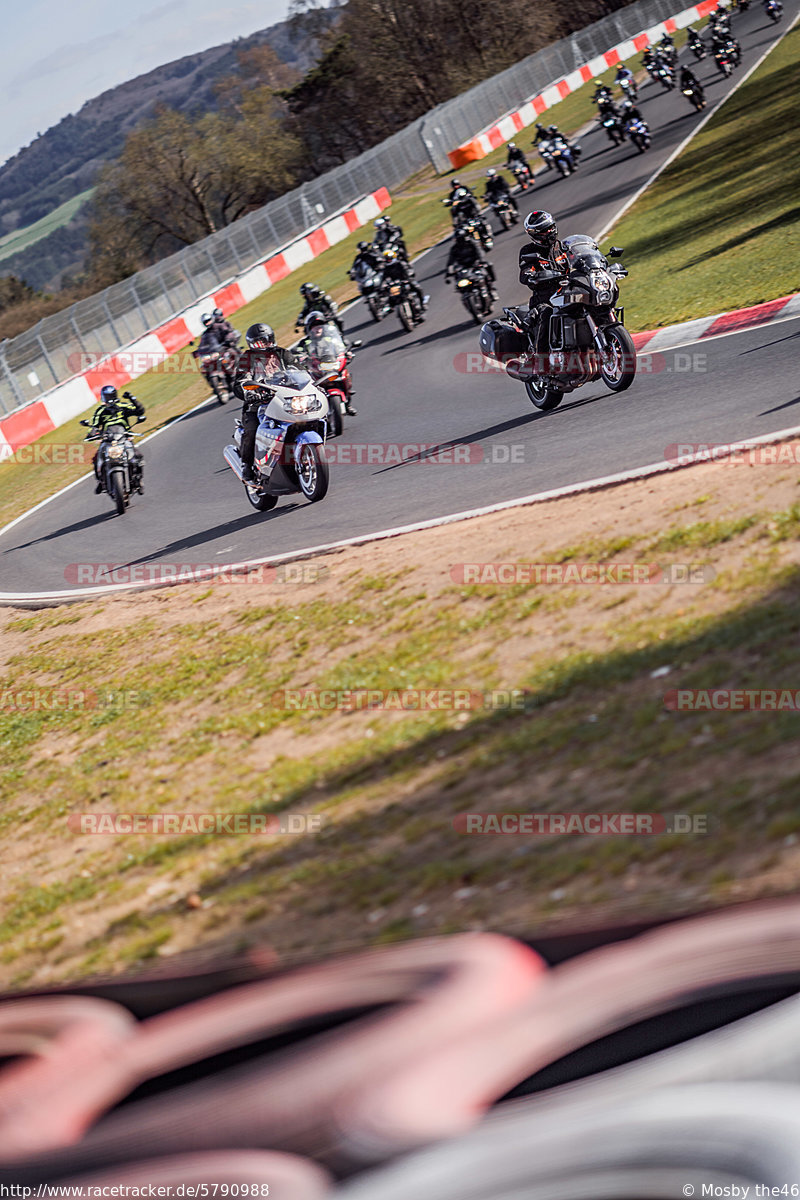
516, 157
223, 329
315, 298
387, 234
465, 254
399, 270
366, 259
541, 254
690, 80
631, 112
261, 360
541, 134
497, 188
113, 410
315, 333
666, 49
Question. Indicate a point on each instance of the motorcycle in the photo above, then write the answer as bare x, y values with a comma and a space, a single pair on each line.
665, 75
218, 368
405, 302
695, 95
120, 471
544, 151
614, 128
392, 241
477, 228
372, 288
523, 175
724, 61
586, 337
564, 156
472, 286
328, 360
290, 440
629, 89
774, 10
639, 133
506, 212
696, 46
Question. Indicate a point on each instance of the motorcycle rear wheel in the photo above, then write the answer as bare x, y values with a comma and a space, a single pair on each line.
313, 474
116, 490
619, 375
543, 397
259, 500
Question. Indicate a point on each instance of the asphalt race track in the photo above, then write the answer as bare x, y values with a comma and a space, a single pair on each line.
417, 388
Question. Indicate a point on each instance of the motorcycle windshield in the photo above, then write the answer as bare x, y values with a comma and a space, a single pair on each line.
328, 346
296, 381
583, 253
118, 430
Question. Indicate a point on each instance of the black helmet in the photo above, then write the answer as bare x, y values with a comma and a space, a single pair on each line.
108, 394
315, 320
540, 127
218, 314
552, 130
260, 336
542, 229
455, 183
308, 290
362, 246
207, 319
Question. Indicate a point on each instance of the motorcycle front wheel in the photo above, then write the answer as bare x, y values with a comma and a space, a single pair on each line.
335, 415
116, 490
312, 472
543, 397
374, 307
618, 369
406, 316
506, 220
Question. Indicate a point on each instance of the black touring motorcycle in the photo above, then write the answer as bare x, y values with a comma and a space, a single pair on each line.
586, 337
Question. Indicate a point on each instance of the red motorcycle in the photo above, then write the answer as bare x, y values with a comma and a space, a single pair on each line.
328, 363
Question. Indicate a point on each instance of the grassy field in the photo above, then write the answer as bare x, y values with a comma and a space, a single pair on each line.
20, 239
197, 724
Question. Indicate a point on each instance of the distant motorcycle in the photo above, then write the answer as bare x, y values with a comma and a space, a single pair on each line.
402, 298
119, 469
472, 286
629, 89
665, 75
696, 45
506, 212
614, 128
774, 10
290, 441
639, 133
695, 95
522, 174
218, 368
372, 288
586, 339
476, 228
564, 156
724, 60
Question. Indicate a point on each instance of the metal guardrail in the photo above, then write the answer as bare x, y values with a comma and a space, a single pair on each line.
37, 360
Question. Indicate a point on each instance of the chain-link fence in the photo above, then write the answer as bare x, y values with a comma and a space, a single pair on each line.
44, 356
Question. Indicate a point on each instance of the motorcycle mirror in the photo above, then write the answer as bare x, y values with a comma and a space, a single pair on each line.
354, 345
84, 423
615, 252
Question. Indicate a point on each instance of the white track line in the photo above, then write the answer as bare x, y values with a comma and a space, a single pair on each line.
44, 599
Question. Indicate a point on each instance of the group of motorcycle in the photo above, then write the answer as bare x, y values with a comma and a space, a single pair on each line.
625, 122
385, 279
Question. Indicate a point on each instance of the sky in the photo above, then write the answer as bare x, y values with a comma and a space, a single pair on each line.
59, 53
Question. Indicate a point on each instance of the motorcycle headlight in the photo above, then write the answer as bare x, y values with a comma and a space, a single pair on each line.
115, 451
305, 403
603, 285
463, 283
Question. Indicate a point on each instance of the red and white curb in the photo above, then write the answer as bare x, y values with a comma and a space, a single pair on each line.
69, 399
503, 130
785, 308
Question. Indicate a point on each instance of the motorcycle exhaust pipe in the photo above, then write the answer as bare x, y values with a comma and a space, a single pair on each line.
520, 370
231, 456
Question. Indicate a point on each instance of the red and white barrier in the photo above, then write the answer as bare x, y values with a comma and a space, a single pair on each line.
505, 129
69, 399
671, 336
